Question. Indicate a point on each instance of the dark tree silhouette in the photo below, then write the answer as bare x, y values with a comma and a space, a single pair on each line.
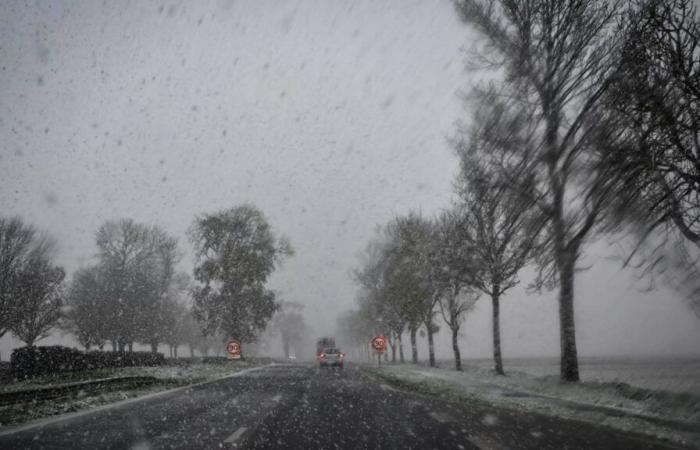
559, 61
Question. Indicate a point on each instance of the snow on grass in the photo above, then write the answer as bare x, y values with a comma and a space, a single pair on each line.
168, 378
518, 387
24, 412
669, 414
194, 372
61, 378
674, 374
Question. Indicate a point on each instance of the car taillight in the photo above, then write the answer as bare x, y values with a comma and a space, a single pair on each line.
322, 355
342, 355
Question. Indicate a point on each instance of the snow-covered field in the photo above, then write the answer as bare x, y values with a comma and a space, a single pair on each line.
675, 374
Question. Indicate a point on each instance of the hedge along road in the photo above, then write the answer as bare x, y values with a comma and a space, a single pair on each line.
301, 406
27, 362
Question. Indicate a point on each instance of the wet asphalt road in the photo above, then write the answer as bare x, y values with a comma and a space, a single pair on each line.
304, 407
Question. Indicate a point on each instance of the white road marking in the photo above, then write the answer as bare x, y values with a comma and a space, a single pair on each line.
236, 435
413, 404
485, 443
489, 419
441, 417
277, 398
386, 387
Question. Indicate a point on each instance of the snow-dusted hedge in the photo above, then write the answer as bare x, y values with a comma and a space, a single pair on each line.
27, 362
215, 360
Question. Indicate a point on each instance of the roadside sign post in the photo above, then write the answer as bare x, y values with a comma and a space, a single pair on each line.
379, 345
233, 348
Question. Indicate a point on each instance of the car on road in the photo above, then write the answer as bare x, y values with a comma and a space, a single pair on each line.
331, 357
322, 344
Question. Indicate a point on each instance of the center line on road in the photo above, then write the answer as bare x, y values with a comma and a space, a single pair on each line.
441, 417
485, 443
236, 435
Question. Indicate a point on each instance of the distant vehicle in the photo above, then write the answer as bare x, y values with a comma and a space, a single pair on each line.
322, 344
331, 357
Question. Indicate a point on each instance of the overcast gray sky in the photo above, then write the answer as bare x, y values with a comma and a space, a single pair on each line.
331, 116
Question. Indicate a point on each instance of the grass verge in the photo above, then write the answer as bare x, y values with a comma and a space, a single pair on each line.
164, 377
26, 411
674, 431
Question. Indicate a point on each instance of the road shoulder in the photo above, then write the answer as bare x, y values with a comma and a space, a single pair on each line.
57, 410
460, 387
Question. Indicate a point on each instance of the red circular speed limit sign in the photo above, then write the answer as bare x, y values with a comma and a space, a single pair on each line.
379, 343
234, 349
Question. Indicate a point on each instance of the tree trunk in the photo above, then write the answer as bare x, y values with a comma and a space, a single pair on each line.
122, 346
154, 347
87, 347
114, 346
392, 343
191, 351
131, 347
565, 252
401, 357
285, 346
175, 351
414, 346
431, 344
498, 362
567, 327
455, 349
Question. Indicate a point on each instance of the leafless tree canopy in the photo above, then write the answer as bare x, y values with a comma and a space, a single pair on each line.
559, 61
30, 283
658, 100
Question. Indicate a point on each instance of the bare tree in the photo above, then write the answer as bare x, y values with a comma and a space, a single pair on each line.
126, 251
289, 323
381, 300
455, 303
175, 321
501, 226
85, 303
656, 102
18, 241
407, 276
450, 273
162, 287
30, 284
559, 60
39, 286
138, 263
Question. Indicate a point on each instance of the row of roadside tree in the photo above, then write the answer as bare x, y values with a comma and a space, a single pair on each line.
134, 292
588, 126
